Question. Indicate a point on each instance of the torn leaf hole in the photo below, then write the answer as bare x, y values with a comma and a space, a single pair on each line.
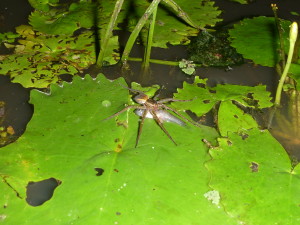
99, 171
206, 101
41, 191
236, 116
254, 167
243, 135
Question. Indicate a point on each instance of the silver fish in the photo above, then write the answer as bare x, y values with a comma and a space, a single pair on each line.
163, 115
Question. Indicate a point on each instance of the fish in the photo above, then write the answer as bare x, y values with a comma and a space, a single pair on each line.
163, 115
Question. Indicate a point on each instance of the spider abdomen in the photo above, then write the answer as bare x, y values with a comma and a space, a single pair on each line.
163, 116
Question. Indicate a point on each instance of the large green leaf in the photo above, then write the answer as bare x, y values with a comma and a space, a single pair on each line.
257, 39
156, 183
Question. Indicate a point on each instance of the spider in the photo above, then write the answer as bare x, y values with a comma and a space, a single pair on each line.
150, 108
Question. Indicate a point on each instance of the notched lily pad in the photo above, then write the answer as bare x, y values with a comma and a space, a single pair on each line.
204, 98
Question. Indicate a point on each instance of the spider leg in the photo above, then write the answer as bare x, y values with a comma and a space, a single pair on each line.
161, 125
141, 126
131, 89
181, 116
123, 110
173, 100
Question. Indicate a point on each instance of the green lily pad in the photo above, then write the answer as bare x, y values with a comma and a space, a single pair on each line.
257, 39
58, 21
67, 139
253, 175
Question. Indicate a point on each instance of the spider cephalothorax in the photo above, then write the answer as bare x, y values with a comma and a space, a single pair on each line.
157, 110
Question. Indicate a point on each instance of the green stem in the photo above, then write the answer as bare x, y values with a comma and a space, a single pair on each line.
293, 38
157, 61
108, 33
149, 41
137, 30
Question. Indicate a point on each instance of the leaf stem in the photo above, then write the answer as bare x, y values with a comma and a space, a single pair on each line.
137, 30
157, 61
108, 33
149, 40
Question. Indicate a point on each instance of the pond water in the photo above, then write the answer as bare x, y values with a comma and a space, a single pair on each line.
18, 111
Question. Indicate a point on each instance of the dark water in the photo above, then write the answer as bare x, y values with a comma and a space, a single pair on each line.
18, 111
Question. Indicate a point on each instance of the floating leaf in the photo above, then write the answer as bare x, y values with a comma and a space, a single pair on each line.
257, 39
170, 29
58, 21
253, 174
103, 177
204, 98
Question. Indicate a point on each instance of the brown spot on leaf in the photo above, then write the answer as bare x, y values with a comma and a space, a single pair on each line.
254, 167
119, 148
